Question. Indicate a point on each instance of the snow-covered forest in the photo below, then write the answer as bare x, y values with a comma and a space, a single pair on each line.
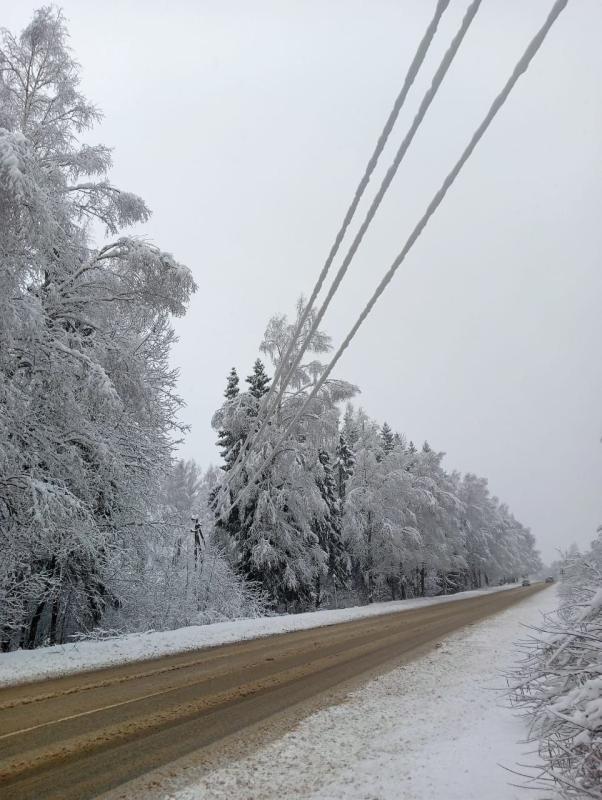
349, 505
102, 528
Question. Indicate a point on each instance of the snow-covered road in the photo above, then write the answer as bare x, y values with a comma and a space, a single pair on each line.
434, 727
23, 666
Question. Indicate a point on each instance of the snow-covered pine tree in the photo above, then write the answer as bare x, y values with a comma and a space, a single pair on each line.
231, 390
387, 438
231, 435
327, 527
349, 428
228, 443
235, 421
258, 380
411, 453
230, 439
345, 461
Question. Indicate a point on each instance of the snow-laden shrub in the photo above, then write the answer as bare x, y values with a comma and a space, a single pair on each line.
175, 589
559, 684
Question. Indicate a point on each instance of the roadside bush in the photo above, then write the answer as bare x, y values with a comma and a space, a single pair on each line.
558, 684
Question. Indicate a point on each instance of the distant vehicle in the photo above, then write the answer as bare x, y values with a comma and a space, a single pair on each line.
549, 579
526, 582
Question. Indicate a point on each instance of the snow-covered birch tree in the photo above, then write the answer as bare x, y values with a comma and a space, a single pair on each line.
87, 396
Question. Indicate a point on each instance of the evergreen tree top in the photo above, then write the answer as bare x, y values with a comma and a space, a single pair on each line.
258, 380
387, 438
350, 429
344, 450
345, 461
232, 385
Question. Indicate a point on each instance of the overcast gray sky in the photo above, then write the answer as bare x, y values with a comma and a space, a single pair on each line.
246, 126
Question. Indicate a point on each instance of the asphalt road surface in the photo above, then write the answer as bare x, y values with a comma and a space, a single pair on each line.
73, 738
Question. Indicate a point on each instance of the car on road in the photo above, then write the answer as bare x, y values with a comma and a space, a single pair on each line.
526, 582
549, 579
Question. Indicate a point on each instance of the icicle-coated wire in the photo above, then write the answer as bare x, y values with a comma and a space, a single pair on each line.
520, 68
428, 98
267, 407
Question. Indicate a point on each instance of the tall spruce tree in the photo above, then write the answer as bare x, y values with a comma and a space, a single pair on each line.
228, 443
344, 466
239, 524
231, 390
240, 410
387, 438
328, 528
350, 428
258, 380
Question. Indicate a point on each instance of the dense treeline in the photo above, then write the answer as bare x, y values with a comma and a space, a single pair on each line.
347, 505
100, 529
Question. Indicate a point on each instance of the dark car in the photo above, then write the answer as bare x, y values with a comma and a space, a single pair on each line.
526, 582
549, 579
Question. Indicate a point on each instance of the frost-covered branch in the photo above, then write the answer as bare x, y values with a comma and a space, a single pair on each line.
558, 684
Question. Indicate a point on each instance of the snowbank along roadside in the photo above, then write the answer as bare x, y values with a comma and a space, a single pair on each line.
23, 666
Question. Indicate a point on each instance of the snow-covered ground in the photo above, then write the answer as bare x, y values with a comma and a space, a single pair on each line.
47, 662
433, 728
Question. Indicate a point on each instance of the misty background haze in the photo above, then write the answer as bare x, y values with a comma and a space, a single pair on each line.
246, 127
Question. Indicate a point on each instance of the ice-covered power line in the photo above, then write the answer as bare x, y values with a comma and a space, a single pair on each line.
267, 404
428, 98
520, 68
417, 61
